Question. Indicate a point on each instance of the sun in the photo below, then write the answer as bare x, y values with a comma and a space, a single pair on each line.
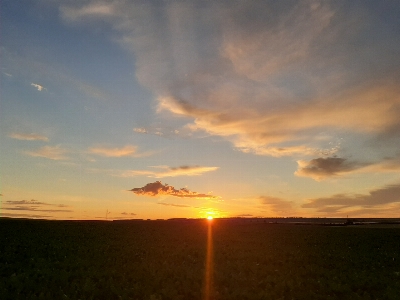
209, 218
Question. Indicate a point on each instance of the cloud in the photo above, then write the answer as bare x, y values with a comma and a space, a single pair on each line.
33, 205
358, 111
128, 214
277, 205
376, 199
244, 216
388, 164
175, 205
288, 150
126, 151
167, 171
283, 40
322, 168
157, 188
28, 137
29, 216
95, 9
38, 86
267, 76
140, 130
50, 152
182, 171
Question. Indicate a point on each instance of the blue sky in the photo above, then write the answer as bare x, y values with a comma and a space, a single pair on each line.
161, 109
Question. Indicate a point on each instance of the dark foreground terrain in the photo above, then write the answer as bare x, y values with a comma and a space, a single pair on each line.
166, 260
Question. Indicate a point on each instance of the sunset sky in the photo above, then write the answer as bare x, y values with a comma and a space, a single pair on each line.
127, 109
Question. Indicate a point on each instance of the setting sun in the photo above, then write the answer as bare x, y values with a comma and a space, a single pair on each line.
210, 218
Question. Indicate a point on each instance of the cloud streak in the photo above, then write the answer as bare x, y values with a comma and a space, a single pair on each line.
157, 188
49, 152
34, 206
166, 171
126, 151
28, 136
277, 205
388, 195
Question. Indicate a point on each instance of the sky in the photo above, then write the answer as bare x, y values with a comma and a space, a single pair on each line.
186, 109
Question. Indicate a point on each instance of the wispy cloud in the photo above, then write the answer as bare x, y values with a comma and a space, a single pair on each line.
38, 87
34, 205
253, 131
166, 171
182, 171
95, 9
28, 136
267, 76
140, 130
278, 205
174, 205
375, 199
157, 188
126, 151
50, 152
29, 216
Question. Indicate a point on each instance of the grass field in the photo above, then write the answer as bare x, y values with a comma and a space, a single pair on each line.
167, 259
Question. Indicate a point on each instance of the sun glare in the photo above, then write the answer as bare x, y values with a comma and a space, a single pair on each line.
209, 218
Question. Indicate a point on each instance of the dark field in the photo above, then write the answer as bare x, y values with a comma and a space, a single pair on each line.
166, 260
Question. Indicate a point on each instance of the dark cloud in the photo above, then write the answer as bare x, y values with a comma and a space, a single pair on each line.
277, 204
157, 188
26, 202
321, 168
374, 199
128, 214
33, 205
244, 216
175, 205
30, 216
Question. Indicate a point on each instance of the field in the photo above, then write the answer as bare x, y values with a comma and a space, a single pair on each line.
167, 259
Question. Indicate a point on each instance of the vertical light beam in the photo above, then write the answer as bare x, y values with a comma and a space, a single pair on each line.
208, 280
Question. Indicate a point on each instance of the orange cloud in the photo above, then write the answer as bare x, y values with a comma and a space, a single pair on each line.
127, 151
368, 110
157, 188
50, 152
182, 171
28, 136
169, 171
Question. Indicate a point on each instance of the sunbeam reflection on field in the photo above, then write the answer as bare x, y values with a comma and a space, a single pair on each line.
208, 280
